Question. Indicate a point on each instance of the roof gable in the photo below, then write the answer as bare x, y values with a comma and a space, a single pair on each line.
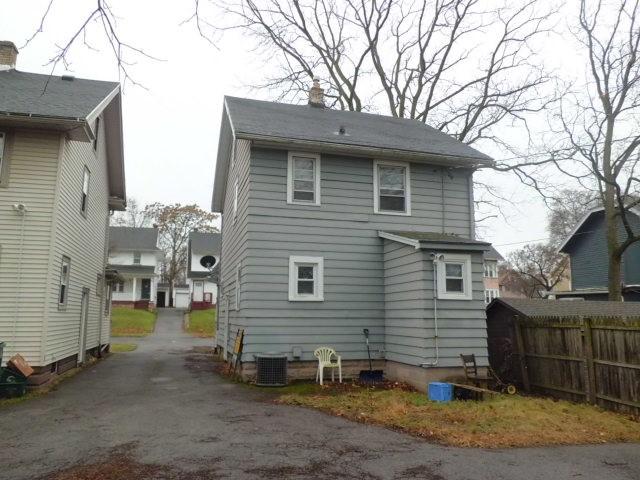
133, 238
272, 120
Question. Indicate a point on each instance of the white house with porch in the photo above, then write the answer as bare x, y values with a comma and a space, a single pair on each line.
135, 256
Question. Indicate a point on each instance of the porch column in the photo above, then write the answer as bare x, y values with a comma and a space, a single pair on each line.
135, 287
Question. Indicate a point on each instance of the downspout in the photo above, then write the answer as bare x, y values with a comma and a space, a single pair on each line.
21, 210
435, 258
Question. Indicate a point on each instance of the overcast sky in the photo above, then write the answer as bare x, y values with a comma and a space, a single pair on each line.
171, 126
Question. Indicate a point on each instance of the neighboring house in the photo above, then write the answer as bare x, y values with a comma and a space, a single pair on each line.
586, 246
336, 221
491, 281
135, 256
61, 173
202, 270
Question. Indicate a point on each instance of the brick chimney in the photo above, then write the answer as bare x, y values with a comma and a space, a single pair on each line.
316, 94
8, 55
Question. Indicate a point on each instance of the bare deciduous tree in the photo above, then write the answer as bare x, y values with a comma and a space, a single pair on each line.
541, 266
134, 216
599, 123
566, 210
175, 222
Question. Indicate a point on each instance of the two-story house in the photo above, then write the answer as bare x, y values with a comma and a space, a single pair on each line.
491, 274
61, 173
586, 246
202, 269
337, 221
135, 256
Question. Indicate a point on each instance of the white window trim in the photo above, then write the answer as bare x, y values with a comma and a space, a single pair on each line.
238, 285
466, 278
496, 294
492, 266
318, 296
316, 158
64, 280
376, 190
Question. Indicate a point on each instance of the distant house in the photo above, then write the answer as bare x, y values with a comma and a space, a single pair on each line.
61, 174
491, 280
135, 256
586, 246
203, 268
336, 221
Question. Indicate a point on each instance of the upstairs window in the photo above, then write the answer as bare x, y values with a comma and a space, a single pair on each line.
303, 179
63, 291
491, 269
454, 277
391, 181
490, 294
85, 191
136, 258
306, 281
96, 135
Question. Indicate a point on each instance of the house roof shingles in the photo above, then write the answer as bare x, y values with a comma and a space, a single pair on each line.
534, 307
273, 120
24, 93
133, 238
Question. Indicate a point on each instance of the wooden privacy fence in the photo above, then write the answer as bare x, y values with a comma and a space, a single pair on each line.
596, 360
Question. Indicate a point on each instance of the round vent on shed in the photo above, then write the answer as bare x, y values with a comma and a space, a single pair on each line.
208, 261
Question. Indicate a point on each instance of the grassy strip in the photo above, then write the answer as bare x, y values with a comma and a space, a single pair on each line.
503, 421
202, 323
128, 322
122, 347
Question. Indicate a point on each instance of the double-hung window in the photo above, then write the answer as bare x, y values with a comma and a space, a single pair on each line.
136, 258
490, 294
392, 188
63, 291
491, 269
303, 179
306, 282
454, 277
85, 191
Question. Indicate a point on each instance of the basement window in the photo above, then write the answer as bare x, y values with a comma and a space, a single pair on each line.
454, 277
303, 179
306, 283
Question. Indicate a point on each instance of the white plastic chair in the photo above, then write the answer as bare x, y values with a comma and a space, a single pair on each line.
324, 356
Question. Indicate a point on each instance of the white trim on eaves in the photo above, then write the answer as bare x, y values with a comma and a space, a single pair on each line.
399, 239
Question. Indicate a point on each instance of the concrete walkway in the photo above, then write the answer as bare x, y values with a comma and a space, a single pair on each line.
161, 413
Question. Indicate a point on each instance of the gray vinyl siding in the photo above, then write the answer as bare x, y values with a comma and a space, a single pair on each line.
24, 254
82, 239
234, 240
409, 311
589, 257
344, 231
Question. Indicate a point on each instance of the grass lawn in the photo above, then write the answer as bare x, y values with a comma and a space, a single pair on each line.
122, 347
202, 323
127, 322
503, 421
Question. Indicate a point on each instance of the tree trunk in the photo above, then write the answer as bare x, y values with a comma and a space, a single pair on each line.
615, 283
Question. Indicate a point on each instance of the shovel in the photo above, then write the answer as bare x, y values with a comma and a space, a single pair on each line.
370, 376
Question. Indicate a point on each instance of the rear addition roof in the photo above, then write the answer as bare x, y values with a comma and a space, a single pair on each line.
257, 119
535, 307
24, 93
133, 238
434, 240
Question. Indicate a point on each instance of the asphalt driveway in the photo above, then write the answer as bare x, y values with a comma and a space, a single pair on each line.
160, 413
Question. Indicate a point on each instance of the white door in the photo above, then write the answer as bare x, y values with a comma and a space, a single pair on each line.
198, 291
84, 320
182, 300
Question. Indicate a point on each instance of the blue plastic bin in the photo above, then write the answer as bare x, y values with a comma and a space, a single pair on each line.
440, 392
